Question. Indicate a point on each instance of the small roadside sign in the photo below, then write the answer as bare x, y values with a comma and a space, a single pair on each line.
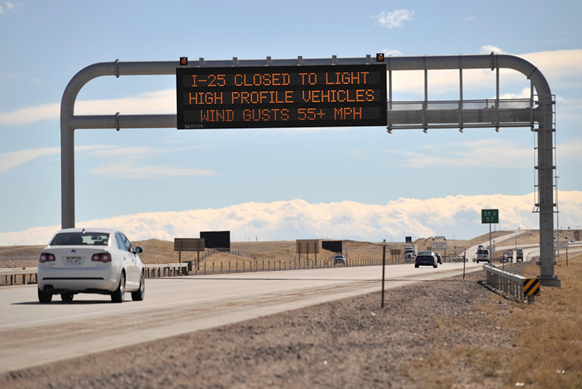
439, 246
489, 216
561, 245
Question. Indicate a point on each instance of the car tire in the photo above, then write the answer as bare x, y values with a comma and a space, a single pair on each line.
119, 294
416, 266
44, 297
67, 297
435, 265
139, 294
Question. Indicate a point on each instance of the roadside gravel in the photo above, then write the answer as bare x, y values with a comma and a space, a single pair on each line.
437, 334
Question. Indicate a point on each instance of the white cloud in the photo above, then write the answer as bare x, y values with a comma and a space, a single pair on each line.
8, 6
125, 162
389, 52
134, 170
394, 18
561, 67
482, 153
492, 152
524, 94
297, 219
488, 49
158, 102
570, 151
31, 114
12, 159
122, 161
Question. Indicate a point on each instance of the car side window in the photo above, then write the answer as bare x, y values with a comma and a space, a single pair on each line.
120, 243
127, 243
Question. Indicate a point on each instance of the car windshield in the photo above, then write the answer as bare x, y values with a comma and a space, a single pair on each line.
79, 238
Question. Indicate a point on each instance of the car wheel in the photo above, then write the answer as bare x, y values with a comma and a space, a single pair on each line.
44, 297
416, 266
119, 294
140, 293
435, 265
67, 297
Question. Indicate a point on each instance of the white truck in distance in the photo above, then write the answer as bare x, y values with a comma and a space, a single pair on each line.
482, 254
410, 251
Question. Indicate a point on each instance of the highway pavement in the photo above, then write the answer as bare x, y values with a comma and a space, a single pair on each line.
33, 334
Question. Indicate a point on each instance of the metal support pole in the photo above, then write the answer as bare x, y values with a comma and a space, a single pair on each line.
383, 270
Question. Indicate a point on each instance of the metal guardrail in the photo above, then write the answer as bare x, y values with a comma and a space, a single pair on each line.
165, 269
29, 275
512, 284
10, 276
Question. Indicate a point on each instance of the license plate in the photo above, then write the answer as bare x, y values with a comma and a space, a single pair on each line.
73, 260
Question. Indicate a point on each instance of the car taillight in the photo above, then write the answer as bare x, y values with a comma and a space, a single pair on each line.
102, 257
46, 257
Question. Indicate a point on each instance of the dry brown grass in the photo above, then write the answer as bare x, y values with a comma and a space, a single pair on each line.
550, 333
540, 347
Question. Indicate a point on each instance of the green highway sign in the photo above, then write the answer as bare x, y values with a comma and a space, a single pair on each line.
489, 216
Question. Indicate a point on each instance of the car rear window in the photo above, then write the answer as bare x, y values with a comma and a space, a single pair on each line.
79, 238
425, 257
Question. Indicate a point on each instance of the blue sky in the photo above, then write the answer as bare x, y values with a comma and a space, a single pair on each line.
166, 171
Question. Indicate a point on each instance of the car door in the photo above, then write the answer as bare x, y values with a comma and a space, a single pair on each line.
131, 278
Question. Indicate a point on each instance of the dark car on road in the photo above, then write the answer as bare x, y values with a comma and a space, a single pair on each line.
339, 259
426, 258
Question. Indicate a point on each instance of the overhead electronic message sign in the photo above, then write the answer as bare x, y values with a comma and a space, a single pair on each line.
282, 96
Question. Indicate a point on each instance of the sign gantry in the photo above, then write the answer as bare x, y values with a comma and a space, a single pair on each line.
324, 92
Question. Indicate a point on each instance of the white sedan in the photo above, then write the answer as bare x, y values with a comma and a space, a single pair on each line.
90, 260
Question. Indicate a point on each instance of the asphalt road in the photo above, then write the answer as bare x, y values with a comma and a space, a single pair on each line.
33, 334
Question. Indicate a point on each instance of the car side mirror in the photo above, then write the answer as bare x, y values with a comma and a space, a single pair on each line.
138, 250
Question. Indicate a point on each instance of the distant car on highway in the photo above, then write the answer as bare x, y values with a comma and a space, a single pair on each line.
90, 260
426, 258
339, 258
439, 258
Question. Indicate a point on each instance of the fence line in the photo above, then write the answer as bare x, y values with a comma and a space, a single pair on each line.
30, 275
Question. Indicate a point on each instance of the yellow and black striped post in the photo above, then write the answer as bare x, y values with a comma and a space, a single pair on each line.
531, 288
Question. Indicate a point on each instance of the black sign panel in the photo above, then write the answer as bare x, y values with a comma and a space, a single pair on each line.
216, 239
285, 96
335, 246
